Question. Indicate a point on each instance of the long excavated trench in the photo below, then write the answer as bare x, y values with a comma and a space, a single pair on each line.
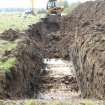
33, 76
78, 38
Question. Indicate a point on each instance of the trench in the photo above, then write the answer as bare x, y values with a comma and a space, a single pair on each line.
57, 80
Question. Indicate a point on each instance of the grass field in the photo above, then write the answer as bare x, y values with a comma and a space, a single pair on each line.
40, 102
17, 21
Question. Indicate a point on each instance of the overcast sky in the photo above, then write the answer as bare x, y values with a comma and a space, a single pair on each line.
26, 3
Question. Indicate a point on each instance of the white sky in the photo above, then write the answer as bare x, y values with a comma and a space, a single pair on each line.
26, 3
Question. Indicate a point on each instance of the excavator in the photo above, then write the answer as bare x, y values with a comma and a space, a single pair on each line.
55, 7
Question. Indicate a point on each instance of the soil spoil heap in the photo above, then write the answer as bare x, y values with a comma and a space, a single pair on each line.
21, 79
88, 50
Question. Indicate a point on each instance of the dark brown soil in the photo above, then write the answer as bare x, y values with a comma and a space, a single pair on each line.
22, 78
39, 41
10, 35
87, 52
79, 37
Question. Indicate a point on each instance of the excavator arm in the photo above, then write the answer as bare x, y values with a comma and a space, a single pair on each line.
33, 7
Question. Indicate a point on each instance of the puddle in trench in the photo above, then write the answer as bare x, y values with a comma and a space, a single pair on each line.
61, 80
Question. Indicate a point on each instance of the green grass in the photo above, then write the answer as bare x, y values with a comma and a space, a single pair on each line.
6, 65
40, 102
5, 62
7, 46
75, 102
17, 21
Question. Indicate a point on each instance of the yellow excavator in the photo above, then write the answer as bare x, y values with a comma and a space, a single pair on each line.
55, 7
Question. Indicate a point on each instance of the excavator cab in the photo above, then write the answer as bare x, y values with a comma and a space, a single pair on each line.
51, 4
53, 7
